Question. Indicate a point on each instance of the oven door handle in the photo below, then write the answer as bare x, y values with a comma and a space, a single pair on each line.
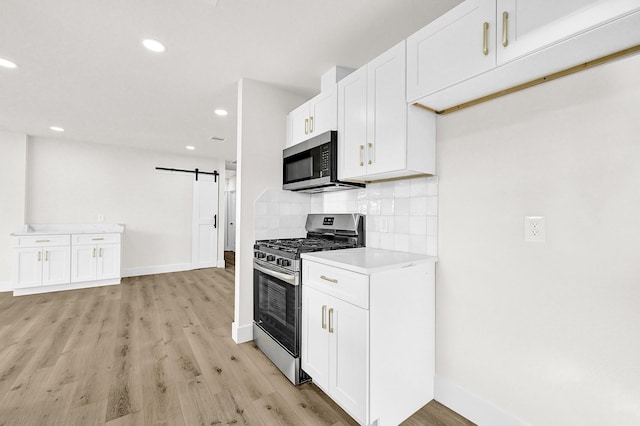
288, 278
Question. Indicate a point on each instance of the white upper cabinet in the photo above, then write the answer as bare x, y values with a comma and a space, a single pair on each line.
379, 135
527, 26
454, 47
312, 118
482, 47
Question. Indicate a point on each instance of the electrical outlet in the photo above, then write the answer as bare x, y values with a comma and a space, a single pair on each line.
100, 217
535, 229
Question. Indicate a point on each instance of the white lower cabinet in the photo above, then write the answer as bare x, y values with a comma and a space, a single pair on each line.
55, 262
368, 337
35, 266
95, 257
335, 345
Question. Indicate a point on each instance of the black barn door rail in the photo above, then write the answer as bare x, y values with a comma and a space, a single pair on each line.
197, 172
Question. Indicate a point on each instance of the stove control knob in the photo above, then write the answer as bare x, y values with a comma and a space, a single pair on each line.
260, 255
286, 262
279, 261
270, 258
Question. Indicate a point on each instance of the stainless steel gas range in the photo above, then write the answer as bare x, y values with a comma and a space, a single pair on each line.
277, 297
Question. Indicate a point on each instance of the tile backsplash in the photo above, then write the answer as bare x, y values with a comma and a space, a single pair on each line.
401, 215
281, 214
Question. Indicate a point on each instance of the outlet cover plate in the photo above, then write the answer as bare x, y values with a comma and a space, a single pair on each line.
535, 229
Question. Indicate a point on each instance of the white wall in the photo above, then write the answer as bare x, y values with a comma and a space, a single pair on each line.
72, 182
262, 110
13, 156
548, 333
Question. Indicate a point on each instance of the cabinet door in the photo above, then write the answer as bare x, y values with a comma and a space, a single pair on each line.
323, 112
352, 124
349, 357
386, 112
299, 121
83, 263
315, 336
55, 265
108, 261
452, 48
27, 267
532, 26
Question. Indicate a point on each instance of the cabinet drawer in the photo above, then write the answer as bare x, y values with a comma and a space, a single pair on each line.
41, 240
90, 239
345, 285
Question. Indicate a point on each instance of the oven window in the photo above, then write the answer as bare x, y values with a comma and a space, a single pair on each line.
276, 307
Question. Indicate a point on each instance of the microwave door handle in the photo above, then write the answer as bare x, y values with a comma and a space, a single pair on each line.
288, 278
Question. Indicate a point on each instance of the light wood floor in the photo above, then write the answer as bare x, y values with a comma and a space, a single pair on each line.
155, 350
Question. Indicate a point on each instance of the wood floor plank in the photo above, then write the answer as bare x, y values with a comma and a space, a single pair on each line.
155, 350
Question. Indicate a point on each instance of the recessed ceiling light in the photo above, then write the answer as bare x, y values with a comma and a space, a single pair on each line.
221, 112
56, 129
189, 147
7, 63
153, 45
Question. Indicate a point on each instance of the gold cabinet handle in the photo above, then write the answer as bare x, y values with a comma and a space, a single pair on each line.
43, 241
97, 239
330, 320
370, 153
94, 252
324, 316
46, 256
306, 126
361, 155
311, 124
505, 25
331, 280
485, 38
100, 255
39, 256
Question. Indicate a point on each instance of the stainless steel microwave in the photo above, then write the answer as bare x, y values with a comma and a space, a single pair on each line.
312, 165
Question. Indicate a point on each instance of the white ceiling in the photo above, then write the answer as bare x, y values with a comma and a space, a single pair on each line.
82, 66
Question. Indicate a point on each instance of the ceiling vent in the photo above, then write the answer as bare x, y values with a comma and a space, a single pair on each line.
217, 138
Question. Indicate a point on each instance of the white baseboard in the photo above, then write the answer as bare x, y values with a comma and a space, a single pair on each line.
241, 334
221, 264
62, 287
5, 286
160, 269
471, 406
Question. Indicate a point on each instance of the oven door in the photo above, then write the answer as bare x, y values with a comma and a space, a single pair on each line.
277, 304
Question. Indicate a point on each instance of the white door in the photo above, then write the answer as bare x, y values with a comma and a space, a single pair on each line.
230, 235
533, 25
315, 336
55, 266
323, 112
108, 261
299, 121
352, 124
27, 267
386, 112
204, 247
83, 263
349, 357
452, 48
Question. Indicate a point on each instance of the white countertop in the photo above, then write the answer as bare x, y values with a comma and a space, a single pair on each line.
367, 260
71, 228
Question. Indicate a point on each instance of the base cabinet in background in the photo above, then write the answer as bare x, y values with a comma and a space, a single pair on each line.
35, 267
95, 257
55, 262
